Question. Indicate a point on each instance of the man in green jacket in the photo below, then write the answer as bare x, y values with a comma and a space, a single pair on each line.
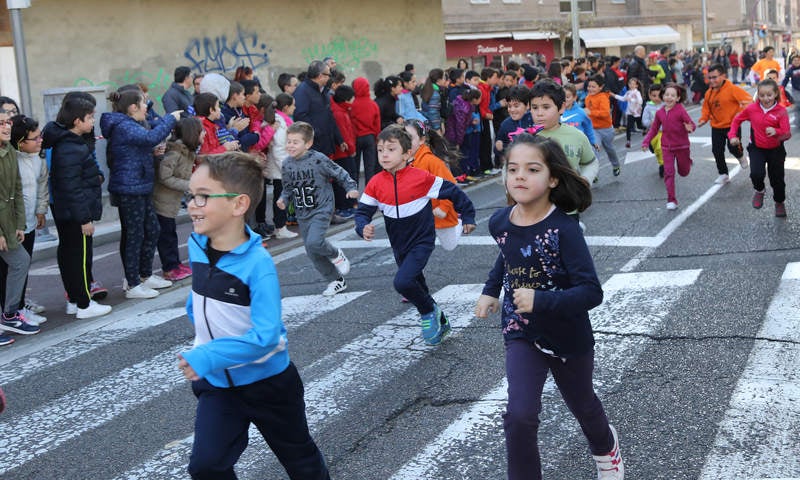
12, 232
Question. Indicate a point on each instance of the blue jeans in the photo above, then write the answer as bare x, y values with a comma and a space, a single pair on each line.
139, 236
409, 280
606, 136
526, 369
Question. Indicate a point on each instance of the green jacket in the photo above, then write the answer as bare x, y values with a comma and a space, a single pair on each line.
12, 205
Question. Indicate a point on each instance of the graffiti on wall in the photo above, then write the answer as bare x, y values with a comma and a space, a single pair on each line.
157, 82
224, 53
348, 53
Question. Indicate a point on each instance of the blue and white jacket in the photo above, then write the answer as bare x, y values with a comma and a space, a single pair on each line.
235, 307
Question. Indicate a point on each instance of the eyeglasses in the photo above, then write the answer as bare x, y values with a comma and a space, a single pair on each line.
200, 199
5, 123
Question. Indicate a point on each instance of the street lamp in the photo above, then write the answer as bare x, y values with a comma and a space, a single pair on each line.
14, 7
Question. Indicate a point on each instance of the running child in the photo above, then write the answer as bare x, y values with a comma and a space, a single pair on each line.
239, 365
428, 151
575, 116
648, 114
518, 103
633, 108
550, 284
675, 124
403, 195
307, 176
769, 123
598, 107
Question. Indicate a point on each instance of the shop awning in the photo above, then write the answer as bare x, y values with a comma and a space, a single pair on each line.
534, 35
621, 36
477, 36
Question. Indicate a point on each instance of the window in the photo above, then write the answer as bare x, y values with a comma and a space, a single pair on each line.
584, 6
478, 1
512, 1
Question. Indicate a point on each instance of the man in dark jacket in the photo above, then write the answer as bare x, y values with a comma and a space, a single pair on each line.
637, 68
177, 96
313, 106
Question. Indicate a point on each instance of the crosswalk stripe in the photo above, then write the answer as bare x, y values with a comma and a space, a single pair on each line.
354, 370
644, 298
479, 240
759, 436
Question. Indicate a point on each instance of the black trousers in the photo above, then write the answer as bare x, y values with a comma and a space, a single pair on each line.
719, 138
74, 255
768, 162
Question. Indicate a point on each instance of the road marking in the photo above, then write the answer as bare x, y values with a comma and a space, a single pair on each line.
644, 298
354, 370
481, 240
760, 434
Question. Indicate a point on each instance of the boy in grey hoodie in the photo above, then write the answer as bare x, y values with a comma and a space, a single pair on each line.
307, 176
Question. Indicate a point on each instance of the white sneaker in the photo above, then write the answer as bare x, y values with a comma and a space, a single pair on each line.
672, 206
72, 308
341, 263
722, 179
155, 282
610, 466
141, 291
744, 162
284, 232
335, 287
33, 306
32, 318
93, 310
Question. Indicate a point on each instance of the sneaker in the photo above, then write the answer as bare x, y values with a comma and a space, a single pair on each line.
627, 144
97, 291
661, 171
185, 268
744, 162
431, 326
445, 328
44, 235
33, 306
470, 178
291, 219
341, 263
780, 209
338, 219
176, 274
284, 232
610, 466
616, 170
72, 308
140, 291
155, 282
17, 324
672, 206
758, 199
493, 171
4, 340
336, 286
33, 318
722, 179
95, 309
264, 230
345, 213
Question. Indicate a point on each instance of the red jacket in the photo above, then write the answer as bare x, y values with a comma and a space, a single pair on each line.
776, 117
486, 95
341, 113
252, 112
365, 113
211, 142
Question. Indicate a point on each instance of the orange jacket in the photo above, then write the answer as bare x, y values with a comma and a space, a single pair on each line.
599, 106
765, 64
424, 159
722, 104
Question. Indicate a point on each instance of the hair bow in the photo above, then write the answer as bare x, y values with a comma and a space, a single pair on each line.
531, 130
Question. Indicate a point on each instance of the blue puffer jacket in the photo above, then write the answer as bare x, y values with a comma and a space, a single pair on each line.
130, 152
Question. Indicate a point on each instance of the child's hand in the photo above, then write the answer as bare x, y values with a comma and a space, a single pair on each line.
3, 244
280, 204
234, 145
439, 213
343, 146
241, 123
498, 145
40, 220
87, 229
644, 148
688, 126
352, 194
186, 369
735, 141
771, 131
177, 114
369, 232
523, 299
596, 147
475, 121
468, 228
486, 305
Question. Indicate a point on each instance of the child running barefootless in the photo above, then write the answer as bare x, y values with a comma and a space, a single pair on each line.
770, 126
403, 195
550, 284
239, 365
598, 107
307, 176
675, 124
648, 114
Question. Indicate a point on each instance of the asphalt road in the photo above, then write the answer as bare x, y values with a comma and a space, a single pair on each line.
698, 344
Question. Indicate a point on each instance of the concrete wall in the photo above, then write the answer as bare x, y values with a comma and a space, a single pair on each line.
94, 42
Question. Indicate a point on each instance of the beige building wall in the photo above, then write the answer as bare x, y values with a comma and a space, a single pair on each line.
93, 42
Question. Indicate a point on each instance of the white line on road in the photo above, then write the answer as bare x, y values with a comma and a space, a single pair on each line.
760, 434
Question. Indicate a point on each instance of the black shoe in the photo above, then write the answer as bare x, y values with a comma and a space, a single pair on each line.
265, 230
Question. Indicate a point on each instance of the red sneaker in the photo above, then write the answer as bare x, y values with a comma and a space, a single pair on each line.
97, 291
185, 268
176, 274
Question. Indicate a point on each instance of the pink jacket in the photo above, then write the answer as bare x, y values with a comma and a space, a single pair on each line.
776, 117
673, 132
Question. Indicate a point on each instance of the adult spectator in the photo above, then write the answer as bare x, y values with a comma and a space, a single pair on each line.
177, 96
196, 79
748, 60
637, 68
313, 106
